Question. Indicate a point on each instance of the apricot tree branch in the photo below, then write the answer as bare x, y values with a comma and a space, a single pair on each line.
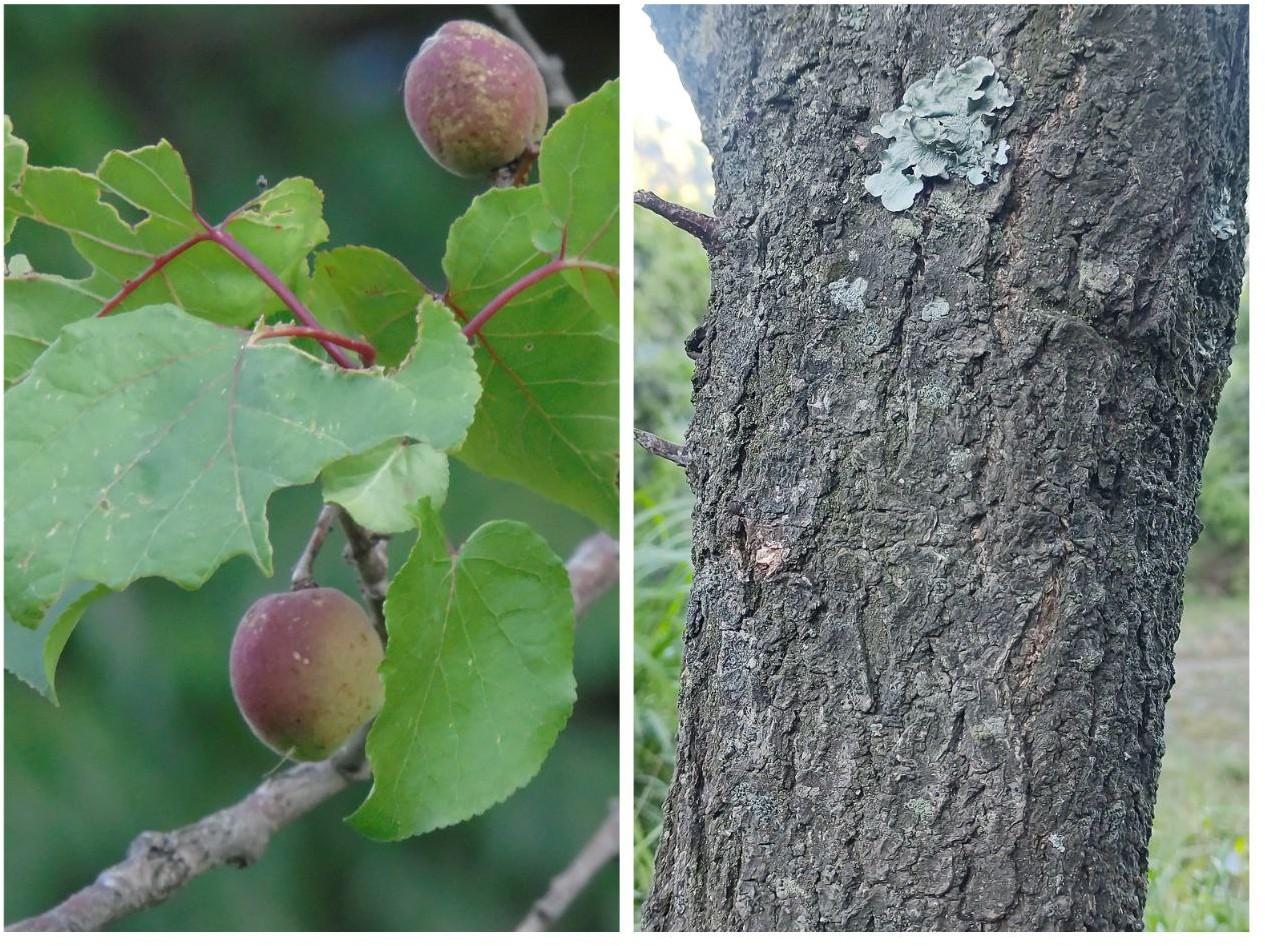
698, 225
160, 863
566, 886
672, 452
560, 94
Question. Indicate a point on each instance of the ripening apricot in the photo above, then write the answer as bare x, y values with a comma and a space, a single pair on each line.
474, 98
304, 670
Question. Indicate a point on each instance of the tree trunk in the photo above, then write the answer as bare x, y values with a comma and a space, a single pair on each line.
939, 549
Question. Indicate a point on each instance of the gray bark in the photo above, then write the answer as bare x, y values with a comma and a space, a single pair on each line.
939, 552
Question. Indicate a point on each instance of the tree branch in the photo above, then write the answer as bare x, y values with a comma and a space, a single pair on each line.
551, 67
672, 452
698, 225
160, 863
565, 887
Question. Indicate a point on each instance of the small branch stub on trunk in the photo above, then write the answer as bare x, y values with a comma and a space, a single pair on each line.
698, 225
672, 452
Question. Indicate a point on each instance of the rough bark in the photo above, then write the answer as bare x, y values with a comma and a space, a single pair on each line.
939, 551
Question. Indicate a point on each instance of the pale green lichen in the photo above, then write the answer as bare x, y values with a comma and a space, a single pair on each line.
1223, 225
922, 809
848, 294
935, 310
910, 229
993, 727
934, 394
941, 130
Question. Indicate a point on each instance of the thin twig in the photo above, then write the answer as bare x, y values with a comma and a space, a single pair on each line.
516, 173
566, 886
698, 225
672, 452
301, 577
551, 67
160, 863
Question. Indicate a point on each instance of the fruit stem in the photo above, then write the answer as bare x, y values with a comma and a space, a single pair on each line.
301, 576
506, 295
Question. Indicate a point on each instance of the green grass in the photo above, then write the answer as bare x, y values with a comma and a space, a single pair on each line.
662, 579
1199, 842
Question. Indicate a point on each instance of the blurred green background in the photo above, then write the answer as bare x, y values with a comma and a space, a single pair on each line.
1199, 846
147, 736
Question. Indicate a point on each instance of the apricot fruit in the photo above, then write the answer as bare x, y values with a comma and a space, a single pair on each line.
474, 98
304, 670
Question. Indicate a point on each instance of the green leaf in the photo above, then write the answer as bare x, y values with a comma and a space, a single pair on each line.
32, 656
14, 155
549, 360
381, 488
477, 673
36, 308
14, 167
579, 172
280, 227
361, 291
148, 443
